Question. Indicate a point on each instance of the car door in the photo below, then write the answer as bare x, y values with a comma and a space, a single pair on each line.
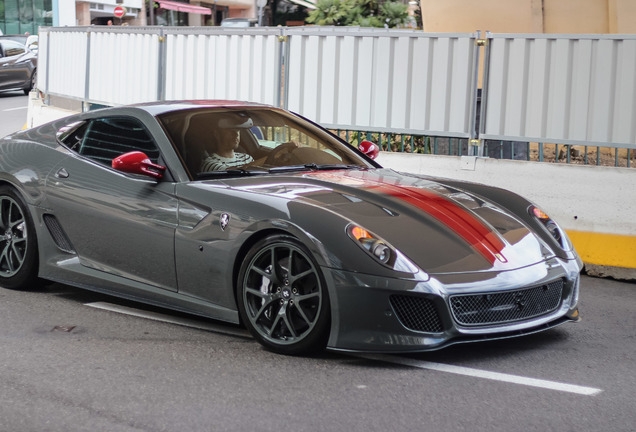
119, 223
14, 67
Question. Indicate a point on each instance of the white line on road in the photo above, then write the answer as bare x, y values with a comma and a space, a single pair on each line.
168, 319
14, 109
440, 367
477, 373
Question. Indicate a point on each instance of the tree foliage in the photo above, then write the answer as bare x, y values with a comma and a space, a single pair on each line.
364, 13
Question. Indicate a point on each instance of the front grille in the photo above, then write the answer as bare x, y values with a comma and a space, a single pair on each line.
506, 307
416, 313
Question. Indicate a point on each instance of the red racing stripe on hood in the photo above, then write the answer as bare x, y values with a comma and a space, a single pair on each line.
451, 214
458, 219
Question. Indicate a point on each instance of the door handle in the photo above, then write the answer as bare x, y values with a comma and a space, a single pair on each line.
61, 173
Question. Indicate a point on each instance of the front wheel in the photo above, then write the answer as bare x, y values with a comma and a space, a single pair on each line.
282, 296
18, 245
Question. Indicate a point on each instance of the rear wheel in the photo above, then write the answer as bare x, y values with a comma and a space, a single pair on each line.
32, 82
18, 245
282, 296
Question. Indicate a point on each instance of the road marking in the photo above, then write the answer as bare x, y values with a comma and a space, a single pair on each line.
14, 109
169, 319
440, 367
477, 373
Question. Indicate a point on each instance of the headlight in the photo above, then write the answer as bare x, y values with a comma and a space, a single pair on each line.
555, 231
381, 250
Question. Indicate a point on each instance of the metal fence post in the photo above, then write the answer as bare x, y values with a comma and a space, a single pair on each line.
47, 98
282, 77
484, 91
161, 66
87, 79
476, 147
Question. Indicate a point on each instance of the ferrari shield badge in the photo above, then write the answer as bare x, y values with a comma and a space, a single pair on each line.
224, 220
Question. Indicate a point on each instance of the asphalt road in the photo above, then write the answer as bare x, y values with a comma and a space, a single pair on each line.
13, 111
66, 365
71, 360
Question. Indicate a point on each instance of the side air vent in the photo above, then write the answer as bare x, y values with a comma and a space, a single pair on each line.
59, 236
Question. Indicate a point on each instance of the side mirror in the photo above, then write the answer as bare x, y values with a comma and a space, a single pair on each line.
137, 162
369, 149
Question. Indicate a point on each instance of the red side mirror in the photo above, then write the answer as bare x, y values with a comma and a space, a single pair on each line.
137, 162
369, 149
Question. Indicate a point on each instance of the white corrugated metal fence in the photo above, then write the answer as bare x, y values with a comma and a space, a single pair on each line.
564, 89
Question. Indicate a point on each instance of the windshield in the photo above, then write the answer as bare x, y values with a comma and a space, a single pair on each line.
235, 141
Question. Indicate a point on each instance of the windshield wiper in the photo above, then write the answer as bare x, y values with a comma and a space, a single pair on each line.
313, 167
239, 172
231, 173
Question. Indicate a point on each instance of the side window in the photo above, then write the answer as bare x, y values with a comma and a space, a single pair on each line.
102, 140
72, 135
12, 49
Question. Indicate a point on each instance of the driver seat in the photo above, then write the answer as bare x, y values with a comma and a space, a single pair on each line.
197, 140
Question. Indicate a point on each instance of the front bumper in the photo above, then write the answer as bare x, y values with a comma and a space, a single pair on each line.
372, 314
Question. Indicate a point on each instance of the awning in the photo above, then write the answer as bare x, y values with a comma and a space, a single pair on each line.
308, 4
184, 7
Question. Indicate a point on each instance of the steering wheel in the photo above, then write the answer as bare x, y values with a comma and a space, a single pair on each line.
281, 154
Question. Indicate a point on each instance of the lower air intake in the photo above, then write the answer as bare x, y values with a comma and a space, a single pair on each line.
416, 313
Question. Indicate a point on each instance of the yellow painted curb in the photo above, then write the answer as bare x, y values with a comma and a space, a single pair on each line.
605, 249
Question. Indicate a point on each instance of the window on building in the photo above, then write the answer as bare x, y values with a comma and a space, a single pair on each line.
25, 16
170, 17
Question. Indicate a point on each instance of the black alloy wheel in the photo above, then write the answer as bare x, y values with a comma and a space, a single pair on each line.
282, 297
18, 245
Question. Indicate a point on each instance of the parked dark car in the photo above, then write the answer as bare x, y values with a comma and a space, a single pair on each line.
18, 66
300, 236
16, 38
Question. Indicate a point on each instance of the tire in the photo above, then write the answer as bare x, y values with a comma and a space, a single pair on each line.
18, 243
282, 297
32, 82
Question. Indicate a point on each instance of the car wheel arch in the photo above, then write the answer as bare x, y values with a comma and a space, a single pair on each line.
26, 275
15, 186
315, 331
257, 236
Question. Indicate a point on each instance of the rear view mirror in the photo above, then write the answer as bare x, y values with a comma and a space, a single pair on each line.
368, 148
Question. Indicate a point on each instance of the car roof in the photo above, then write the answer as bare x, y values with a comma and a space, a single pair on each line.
162, 107
16, 38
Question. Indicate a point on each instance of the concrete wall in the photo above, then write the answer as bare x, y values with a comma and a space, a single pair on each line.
530, 16
622, 16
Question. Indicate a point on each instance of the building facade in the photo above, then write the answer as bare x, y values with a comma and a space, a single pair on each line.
530, 16
25, 16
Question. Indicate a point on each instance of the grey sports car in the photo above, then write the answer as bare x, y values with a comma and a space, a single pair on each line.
248, 213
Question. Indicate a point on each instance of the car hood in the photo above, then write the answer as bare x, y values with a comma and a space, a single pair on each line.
441, 229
